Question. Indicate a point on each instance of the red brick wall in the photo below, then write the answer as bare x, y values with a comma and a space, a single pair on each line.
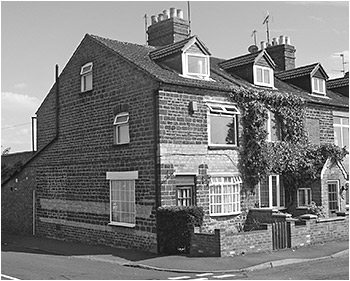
184, 149
320, 231
17, 202
325, 117
72, 185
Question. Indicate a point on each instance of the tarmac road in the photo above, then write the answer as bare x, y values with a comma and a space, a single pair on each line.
21, 263
336, 268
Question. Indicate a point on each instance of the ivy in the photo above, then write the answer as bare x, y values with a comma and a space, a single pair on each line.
294, 157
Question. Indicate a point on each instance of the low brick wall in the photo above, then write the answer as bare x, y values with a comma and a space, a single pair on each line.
233, 244
316, 231
224, 243
205, 244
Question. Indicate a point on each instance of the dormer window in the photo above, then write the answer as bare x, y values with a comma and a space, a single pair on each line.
189, 58
263, 76
195, 65
318, 86
86, 77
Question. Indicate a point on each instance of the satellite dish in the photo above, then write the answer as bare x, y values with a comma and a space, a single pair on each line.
253, 49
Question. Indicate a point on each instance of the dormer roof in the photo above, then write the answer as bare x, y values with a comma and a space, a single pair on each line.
247, 60
307, 70
338, 82
181, 46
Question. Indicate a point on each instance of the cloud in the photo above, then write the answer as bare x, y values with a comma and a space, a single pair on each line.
16, 101
21, 86
318, 19
16, 112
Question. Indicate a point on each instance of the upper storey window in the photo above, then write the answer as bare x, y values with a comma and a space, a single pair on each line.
318, 86
86, 77
222, 124
263, 76
195, 65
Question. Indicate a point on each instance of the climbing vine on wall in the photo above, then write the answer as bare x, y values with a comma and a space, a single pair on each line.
293, 157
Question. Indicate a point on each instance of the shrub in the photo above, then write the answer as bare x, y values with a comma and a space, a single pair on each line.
174, 226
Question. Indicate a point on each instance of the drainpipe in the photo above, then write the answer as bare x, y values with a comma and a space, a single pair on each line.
34, 212
33, 137
156, 142
156, 156
57, 101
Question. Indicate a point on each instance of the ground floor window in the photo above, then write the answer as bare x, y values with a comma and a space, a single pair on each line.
333, 196
122, 198
224, 193
271, 192
185, 190
304, 197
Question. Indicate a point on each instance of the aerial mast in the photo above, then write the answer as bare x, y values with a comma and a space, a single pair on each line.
266, 21
254, 35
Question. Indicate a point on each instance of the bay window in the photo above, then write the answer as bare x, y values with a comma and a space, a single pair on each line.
224, 194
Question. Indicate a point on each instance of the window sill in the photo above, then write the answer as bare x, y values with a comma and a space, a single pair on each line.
222, 146
86, 92
120, 144
303, 207
225, 214
129, 225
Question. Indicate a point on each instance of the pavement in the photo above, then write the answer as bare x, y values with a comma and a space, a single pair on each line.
175, 263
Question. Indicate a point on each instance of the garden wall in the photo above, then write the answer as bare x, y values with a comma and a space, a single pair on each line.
224, 243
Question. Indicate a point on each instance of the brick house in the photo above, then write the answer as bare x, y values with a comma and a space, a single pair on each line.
128, 128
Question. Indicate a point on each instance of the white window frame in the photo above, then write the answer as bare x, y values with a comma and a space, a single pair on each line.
317, 89
269, 127
121, 176
224, 110
278, 195
307, 197
117, 125
185, 68
86, 72
337, 184
341, 126
263, 83
235, 204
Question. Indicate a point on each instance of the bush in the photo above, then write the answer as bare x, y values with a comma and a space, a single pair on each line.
174, 226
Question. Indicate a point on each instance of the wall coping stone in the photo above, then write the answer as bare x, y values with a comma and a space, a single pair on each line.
330, 219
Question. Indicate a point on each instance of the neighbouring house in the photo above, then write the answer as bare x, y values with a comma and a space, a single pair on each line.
127, 128
17, 192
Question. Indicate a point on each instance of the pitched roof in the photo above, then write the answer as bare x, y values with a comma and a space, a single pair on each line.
179, 46
246, 59
338, 82
301, 71
139, 55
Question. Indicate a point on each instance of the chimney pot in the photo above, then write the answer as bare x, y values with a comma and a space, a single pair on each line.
154, 19
166, 14
160, 17
180, 14
173, 12
263, 45
287, 40
281, 40
274, 41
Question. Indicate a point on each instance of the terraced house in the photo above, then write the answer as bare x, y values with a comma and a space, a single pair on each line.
127, 128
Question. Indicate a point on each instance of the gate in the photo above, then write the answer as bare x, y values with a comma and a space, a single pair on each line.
281, 237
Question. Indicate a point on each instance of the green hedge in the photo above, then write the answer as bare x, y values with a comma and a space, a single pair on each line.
174, 226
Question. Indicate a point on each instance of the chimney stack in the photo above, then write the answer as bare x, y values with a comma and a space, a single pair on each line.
282, 53
169, 27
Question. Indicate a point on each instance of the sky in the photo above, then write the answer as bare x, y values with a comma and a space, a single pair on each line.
35, 36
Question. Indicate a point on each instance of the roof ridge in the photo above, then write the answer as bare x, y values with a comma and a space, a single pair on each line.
122, 42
